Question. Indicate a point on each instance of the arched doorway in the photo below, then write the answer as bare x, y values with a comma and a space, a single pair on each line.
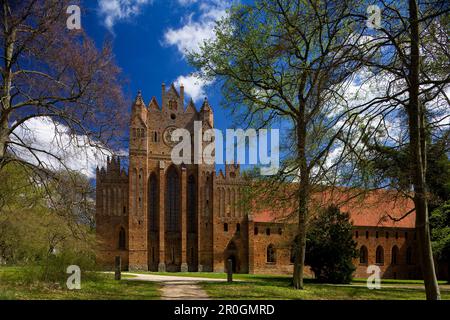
231, 252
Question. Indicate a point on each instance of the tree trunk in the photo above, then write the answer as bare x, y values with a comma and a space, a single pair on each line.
3, 143
303, 199
448, 271
418, 161
299, 265
10, 38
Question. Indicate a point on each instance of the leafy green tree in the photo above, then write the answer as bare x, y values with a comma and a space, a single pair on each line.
389, 163
283, 64
330, 247
440, 234
412, 53
44, 226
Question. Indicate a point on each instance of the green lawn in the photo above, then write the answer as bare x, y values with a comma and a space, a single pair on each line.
253, 286
398, 281
213, 275
273, 287
13, 285
264, 277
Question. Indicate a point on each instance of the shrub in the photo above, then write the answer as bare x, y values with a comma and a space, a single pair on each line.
330, 247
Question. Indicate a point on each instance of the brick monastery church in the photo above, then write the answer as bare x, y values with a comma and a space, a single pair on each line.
161, 217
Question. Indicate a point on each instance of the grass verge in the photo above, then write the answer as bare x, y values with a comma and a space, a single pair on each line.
15, 285
273, 287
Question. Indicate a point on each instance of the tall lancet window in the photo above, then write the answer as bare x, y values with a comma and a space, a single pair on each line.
122, 239
153, 203
222, 202
141, 188
133, 192
191, 204
172, 200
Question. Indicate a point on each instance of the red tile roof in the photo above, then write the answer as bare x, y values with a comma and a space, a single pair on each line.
371, 209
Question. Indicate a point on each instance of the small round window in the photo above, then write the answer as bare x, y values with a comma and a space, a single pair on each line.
173, 116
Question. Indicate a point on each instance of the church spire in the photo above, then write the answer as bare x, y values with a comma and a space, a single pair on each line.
206, 106
139, 109
139, 101
206, 113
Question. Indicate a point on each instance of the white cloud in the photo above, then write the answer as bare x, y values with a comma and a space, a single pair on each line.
187, 2
190, 36
193, 86
115, 10
193, 33
74, 151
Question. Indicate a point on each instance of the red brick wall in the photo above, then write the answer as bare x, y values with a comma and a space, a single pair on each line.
122, 201
282, 243
150, 152
229, 210
400, 237
111, 213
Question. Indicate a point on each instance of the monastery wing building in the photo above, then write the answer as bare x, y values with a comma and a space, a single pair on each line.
163, 217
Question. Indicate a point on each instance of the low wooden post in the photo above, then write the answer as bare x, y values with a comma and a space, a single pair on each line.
229, 270
118, 268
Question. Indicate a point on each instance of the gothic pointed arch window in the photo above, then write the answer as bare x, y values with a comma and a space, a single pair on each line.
228, 202
153, 202
134, 183
192, 257
232, 203
271, 254
122, 239
394, 255
141, 188
222, 202
172, 200
363, 255
172, 255
379, 255
153, 254
409, 256
191, 205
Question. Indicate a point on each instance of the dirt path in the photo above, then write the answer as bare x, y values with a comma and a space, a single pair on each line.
178, 290
176, 287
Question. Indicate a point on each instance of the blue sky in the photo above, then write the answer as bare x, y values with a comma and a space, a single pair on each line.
150, 39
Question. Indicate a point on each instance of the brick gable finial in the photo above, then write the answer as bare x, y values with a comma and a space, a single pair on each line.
139, 101
191, 107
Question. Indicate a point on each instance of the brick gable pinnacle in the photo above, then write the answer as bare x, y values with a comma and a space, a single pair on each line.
153, 105
191, 107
